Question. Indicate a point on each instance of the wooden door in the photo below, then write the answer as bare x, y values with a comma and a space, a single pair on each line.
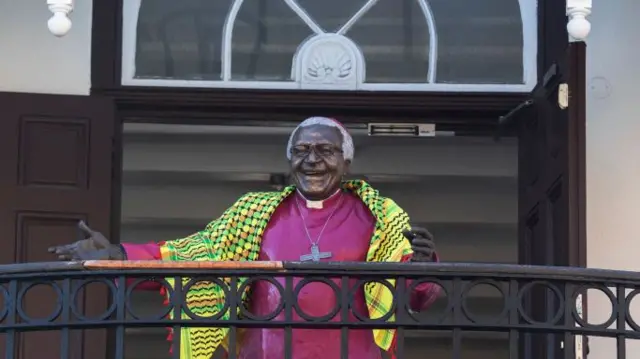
551, 132
55, 169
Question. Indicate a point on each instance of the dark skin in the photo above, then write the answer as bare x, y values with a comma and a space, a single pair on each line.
318, 166
424, 249
96, 246
317, 169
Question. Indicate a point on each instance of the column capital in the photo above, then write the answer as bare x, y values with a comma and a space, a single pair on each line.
59, 24
578, 26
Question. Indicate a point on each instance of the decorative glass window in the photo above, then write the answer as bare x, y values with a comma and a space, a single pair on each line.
398, 45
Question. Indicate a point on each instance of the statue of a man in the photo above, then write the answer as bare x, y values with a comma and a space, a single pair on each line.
319, 218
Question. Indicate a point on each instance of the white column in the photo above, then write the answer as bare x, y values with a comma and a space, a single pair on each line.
578, 25
59, 24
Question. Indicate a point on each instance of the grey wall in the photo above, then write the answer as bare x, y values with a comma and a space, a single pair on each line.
464, 190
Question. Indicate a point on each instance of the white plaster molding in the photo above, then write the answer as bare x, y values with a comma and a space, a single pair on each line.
329, 61
59, 24
528, 9
578, 25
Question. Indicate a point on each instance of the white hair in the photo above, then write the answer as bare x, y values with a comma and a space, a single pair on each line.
347, 142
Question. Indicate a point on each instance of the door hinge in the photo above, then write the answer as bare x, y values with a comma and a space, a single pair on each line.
563, 96
581, 346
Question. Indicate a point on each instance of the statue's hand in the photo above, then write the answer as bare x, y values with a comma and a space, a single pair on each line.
422, 244
96, 246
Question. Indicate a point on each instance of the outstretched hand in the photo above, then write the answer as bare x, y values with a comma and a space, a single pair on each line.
424, 248
94, 246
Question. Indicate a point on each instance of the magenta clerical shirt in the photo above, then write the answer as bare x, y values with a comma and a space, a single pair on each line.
346, 236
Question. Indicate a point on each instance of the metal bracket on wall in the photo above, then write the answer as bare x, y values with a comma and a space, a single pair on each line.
549, 81
504, 121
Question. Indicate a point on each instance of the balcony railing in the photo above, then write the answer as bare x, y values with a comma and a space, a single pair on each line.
541, 306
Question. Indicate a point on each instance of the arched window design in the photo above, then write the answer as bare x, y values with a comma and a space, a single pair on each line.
399, 45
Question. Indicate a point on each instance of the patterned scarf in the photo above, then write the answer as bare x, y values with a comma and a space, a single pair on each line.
236, 236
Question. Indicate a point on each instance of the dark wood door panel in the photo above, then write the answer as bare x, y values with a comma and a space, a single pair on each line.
551, 182
55, 170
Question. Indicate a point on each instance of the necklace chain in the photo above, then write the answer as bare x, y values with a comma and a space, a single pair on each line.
304, 222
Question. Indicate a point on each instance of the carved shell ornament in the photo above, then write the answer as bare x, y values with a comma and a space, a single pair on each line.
329, 63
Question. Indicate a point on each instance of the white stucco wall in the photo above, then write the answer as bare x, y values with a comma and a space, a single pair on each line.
33, 60
613, 148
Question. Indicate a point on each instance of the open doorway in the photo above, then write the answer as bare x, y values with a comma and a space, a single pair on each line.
176, 178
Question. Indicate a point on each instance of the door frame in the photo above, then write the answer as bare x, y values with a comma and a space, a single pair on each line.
553, 39
464, 113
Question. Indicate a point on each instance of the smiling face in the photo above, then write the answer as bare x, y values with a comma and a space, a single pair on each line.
317, 162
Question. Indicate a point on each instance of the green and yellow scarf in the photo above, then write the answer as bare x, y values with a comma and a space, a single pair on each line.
237, 235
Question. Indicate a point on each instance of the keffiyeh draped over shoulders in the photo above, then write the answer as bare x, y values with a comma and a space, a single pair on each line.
237, 236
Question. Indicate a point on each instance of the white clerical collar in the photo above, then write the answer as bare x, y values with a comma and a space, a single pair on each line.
319, 204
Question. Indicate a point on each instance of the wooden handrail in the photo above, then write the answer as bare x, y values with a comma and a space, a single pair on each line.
99, 264
443, 269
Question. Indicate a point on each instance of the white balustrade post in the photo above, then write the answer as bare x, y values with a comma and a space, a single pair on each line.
578, 25
59, 24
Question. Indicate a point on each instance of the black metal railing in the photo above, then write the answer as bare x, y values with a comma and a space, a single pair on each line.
540, 310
